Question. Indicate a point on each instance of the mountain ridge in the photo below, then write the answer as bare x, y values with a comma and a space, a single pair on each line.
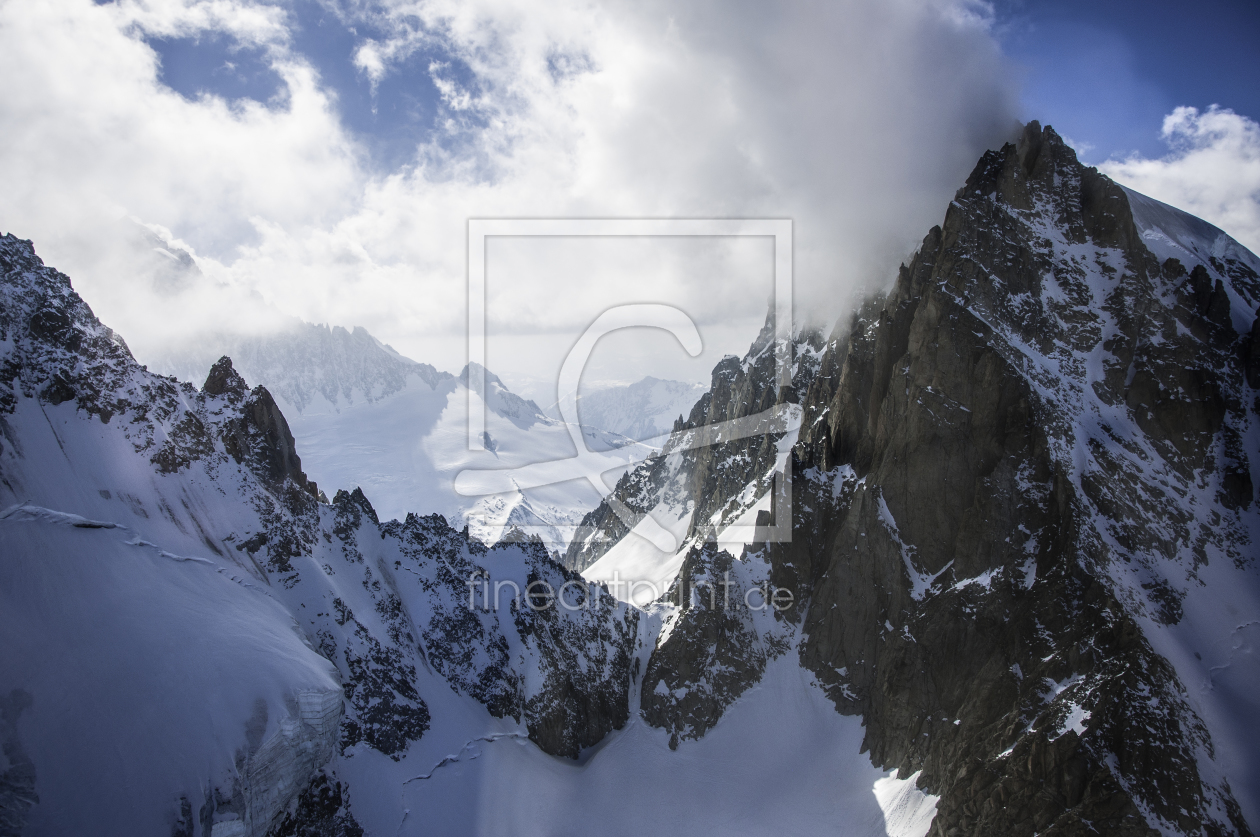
1017, 475
1021, 488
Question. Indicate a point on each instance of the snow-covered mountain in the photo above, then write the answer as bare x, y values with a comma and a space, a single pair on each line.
1024, 518
1019, 596
644, 411
193, 644
190, 637
309, 369
369, 417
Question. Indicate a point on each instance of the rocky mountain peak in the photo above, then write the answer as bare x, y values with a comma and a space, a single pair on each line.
1040, 173
225, 380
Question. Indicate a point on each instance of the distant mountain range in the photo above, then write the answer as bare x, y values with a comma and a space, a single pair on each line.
367, 417
645, 411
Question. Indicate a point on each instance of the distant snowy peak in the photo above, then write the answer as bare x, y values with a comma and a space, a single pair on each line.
499, 398
308, 368
641, 411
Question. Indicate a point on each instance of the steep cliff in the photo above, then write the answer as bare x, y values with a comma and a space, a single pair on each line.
1025, 521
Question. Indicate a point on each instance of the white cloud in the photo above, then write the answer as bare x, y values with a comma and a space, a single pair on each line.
856, 119
369, 60
1212, 170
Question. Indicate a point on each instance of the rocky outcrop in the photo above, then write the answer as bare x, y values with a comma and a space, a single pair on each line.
225, 380
996, 426
711, 652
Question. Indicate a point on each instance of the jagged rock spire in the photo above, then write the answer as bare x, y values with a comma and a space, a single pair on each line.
225, 380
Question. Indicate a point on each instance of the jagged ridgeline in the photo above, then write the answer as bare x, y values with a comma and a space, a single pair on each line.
192, 639
1024, 538
1025, 525
1038, 460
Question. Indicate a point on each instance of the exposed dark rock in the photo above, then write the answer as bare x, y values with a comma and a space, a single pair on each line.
322, 810
961, 568
712, 655
261, 437
225, 380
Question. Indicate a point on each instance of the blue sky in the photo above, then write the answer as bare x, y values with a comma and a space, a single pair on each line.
1106, 72
389, 117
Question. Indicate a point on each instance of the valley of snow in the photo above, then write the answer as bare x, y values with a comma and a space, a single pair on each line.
644, 411
406, 449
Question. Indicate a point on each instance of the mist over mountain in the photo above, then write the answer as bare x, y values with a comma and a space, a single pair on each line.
987, 565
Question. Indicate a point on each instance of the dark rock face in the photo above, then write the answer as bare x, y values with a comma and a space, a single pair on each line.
261, 437
713, 652
225, 380
322, 810
965, 564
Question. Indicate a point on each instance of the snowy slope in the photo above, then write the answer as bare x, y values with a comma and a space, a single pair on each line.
114, 644
406, 449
